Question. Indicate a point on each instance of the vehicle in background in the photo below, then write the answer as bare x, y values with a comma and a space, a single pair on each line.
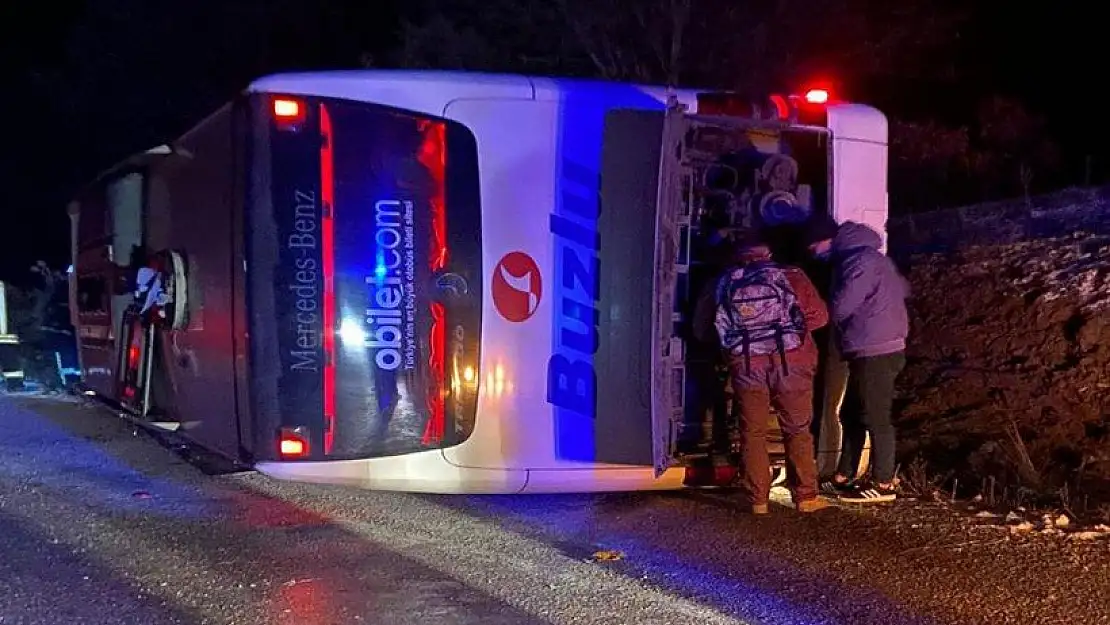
11, 360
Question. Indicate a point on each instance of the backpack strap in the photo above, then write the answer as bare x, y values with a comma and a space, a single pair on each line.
782, 349
747, 352
781, 284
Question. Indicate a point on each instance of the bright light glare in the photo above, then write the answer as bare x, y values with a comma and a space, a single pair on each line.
468, 374
292, 447
287, 108
351, 332
498, 382
817, 96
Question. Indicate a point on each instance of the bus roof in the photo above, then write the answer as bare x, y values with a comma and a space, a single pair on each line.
429, 91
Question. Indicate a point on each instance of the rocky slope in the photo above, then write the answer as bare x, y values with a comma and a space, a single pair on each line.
1008, 373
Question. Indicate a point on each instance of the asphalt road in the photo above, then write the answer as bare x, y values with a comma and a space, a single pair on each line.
101, 525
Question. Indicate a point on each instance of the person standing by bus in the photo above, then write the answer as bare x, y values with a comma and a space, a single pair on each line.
867, 303
762, 314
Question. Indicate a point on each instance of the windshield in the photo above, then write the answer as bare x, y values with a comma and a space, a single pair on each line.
376, 210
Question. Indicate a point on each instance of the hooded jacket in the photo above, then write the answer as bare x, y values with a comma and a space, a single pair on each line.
867, 301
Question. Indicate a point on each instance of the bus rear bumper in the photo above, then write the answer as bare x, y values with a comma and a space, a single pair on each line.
430, 472
602, 479
424, 472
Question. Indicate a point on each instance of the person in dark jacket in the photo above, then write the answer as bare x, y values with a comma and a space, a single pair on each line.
867, 306
784, 381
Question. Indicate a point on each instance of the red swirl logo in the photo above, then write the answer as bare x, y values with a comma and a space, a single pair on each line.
517, 287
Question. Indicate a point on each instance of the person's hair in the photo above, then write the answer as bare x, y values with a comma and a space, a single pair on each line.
820, 228
750, 250
752, 255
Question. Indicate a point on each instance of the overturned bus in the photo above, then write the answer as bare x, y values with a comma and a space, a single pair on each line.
450, 282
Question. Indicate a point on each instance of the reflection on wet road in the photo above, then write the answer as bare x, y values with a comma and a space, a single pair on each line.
98, 525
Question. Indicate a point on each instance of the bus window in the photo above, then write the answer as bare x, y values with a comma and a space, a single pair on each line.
373, 208
125, 202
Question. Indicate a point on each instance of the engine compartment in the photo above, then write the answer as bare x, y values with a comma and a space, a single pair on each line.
737, 179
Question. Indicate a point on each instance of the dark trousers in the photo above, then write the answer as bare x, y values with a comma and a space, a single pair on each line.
867, 409
758, 386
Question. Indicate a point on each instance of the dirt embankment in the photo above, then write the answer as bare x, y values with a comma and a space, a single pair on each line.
1008, 371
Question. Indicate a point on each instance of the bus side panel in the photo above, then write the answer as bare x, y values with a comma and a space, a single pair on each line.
242, 153
192, 213
513, 429
557, 166
594, 308
575, 385
629, 187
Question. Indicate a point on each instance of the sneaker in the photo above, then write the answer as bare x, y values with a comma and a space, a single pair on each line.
812, 505
870, 493
834, 488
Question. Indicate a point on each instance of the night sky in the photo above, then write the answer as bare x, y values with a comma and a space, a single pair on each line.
94, 82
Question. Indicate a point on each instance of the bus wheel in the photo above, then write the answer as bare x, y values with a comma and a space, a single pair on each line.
172, 270
179, 279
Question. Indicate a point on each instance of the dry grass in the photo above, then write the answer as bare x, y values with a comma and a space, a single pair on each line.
1018, 455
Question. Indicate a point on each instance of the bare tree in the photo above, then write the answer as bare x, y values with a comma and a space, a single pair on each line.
442, 43
924, 159
636, 41
1019, 139
749, 46
519, 36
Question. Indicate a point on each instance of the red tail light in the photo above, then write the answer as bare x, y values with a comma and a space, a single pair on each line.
288, 112
437, 404
327, 251
293, 444
293, 447
433, 156
287, 109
